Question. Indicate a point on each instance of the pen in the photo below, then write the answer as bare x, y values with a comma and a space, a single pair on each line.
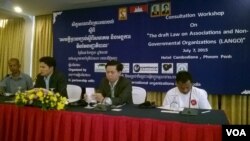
205, 112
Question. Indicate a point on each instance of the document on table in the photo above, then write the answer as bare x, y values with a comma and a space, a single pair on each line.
167, 109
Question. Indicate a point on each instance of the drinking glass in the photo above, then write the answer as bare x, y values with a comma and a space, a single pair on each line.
88, 98
52, 90
19, 89
174, 105
90, 91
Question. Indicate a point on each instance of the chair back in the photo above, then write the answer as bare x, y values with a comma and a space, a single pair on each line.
138, 95
74, 92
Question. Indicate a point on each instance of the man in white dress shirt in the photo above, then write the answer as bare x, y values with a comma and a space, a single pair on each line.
185, 94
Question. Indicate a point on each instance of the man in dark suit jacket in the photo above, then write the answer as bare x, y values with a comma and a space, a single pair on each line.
49, 78
114, 89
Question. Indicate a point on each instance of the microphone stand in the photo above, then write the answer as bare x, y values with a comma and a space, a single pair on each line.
189, 100
189, 110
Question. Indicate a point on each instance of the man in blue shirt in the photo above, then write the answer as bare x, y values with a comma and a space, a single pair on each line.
16, 80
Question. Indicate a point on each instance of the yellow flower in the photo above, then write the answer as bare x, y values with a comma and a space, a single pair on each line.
50, 93
31, 96
60, 106
31, 91
52, 104
53, 98
25, 101
39, 94
41, 97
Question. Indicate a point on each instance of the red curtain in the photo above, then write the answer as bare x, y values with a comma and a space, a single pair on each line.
34, 124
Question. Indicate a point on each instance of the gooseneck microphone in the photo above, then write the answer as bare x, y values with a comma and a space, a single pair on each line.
189, 100
189, 110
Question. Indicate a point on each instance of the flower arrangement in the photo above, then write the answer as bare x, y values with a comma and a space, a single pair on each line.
42, 98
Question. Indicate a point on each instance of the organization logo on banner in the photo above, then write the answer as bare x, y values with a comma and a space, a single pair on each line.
138, 8
145, 67
99, 67
122, 13
245, 92
167, 68
181, 67
125, 68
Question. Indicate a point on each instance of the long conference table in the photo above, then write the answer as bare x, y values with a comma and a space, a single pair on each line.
76, 123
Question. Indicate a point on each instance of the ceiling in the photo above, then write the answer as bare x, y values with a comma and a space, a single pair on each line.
43, 7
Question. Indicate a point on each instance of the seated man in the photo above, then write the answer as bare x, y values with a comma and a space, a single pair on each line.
49, 78
114, 89
185, 94
16, 80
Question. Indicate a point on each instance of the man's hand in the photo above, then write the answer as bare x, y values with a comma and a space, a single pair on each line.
99, 97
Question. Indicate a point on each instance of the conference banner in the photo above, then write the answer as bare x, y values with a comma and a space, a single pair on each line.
155, 40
